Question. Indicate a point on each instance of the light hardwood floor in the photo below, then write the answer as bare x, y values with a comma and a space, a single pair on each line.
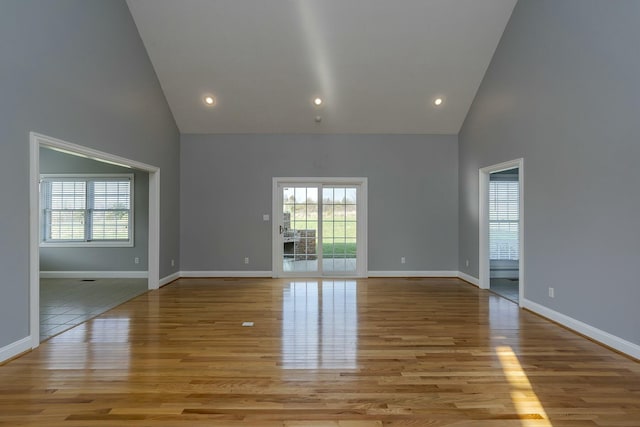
374, 352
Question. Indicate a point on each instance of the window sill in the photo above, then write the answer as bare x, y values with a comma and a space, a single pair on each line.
128, 244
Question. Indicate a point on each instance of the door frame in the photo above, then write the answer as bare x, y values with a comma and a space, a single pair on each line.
484, 272
36, 141
362, 227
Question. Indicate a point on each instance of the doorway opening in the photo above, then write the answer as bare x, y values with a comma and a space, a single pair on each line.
319, 227
38, 142
501, 235
504, 224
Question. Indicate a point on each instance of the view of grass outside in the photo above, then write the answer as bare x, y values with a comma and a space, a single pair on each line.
339, 250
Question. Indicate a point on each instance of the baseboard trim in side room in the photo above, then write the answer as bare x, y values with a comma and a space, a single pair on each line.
585, 329
170, 278
437, 273
229, 273
15, 349
93, 275
470, 279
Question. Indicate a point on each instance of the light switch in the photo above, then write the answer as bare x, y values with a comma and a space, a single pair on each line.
265, 217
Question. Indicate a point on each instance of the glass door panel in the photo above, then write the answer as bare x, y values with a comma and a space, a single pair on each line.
299, 232
339, 230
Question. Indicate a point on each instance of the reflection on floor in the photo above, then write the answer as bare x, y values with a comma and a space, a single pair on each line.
320, 325
508, 288
65, 303
343, 265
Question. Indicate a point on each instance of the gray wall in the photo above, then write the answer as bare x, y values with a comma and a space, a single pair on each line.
563, 92
226, 186
93, 258
75, 70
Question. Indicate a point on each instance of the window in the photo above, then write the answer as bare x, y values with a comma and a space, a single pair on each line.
94, 210
503, 220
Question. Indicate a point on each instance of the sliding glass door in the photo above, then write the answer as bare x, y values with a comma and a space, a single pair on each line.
319, 227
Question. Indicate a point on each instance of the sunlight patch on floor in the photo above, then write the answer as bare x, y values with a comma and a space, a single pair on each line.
523, 397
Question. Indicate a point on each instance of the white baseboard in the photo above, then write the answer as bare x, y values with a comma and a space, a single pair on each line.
93, 274
15, 348
467, 278
438, 273
168, 279
230, 273
596, 334
265, 273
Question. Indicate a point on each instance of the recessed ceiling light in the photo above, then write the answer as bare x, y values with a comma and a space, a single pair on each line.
209, 100
438, 102
317, 102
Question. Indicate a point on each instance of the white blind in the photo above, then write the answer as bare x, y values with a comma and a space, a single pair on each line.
85, 209
111, 201
504, 220
65, 204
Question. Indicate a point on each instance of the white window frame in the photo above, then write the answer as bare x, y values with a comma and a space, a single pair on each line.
87, 243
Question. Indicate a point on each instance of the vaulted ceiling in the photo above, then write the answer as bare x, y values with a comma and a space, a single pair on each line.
377, 65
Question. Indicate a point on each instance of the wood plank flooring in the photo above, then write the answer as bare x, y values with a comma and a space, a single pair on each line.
374, 352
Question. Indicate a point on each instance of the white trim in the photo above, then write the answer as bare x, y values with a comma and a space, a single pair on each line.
276, 215
153, 239
329, 180
88, 244
36, 141
168, 279
362, 222
483, 229
89, 153
93, 274
34, 240
363, 229
227, 273
483, 223
468, 278
15, 348
596, 334
399, 273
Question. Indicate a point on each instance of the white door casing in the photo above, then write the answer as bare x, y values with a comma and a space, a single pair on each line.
483, 222
279, 183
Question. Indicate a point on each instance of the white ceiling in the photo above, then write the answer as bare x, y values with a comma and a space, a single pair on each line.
378, 64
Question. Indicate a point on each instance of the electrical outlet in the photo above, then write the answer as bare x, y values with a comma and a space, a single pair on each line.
552, 293
136, 260
402, 260
246, 260
467, 263
173, 263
